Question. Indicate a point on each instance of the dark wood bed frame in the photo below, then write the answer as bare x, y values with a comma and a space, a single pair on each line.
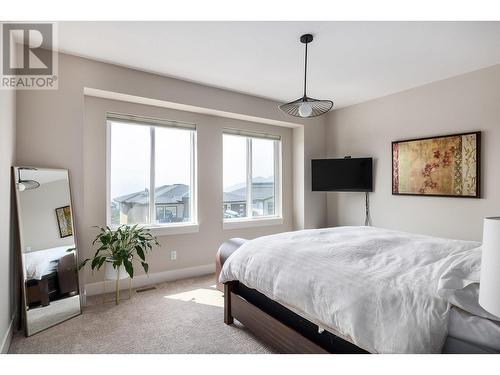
279, 327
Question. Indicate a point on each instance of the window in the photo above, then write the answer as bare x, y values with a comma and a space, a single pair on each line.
151, 171
252, 185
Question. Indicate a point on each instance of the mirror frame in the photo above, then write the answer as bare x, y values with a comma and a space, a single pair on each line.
23, 302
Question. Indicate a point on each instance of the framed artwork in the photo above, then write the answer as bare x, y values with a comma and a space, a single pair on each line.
444, 166
64, 221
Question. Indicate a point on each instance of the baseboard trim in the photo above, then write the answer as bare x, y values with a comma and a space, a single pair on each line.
7, 338
93, 289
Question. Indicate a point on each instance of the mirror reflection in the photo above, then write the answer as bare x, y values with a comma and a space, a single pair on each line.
48, 253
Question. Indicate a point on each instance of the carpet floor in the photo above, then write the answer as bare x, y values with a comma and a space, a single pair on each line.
184, 316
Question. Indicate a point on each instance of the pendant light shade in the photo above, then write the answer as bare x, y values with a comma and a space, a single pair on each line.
23, 185
306, 106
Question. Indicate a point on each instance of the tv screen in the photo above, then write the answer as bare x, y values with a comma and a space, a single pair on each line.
348, 174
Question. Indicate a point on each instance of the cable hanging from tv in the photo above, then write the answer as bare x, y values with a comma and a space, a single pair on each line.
368, 219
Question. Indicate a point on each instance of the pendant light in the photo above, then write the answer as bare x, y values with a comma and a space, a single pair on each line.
23, 185
306, 106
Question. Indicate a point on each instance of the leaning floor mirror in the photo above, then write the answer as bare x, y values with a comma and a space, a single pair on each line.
49, 256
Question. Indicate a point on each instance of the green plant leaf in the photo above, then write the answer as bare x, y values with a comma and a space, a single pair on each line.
95, 261
145, 266
83, 264
140, 252
129, 268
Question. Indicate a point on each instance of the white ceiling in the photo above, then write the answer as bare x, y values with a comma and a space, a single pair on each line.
44, 176
349, 62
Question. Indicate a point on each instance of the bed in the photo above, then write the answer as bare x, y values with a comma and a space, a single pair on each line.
356, 290
43, 262
50, 274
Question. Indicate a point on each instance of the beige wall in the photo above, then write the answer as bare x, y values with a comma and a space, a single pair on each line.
52, 133
193, 249
7, 257
314, 210
464, 103
298, 178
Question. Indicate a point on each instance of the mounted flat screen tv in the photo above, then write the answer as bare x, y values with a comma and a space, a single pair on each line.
347, 174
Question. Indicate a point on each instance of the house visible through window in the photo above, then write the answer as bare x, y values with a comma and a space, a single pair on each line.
251, 175
150, 171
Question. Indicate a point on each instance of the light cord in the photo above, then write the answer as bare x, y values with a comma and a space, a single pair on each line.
305, 72
368, 219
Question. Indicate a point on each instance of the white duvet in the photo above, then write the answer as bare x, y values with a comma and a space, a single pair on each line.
376, 288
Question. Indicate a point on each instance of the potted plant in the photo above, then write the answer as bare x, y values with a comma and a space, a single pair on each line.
118, 249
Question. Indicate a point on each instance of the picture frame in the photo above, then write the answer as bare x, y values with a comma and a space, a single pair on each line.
64, 221
438, 166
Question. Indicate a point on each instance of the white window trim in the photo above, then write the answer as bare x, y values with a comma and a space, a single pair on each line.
259, 221
173, 229
168, 229
249, 178
191, 226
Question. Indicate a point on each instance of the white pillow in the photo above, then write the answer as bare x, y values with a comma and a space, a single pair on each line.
459, 284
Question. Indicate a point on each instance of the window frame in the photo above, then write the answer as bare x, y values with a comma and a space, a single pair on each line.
153, 123
249, 220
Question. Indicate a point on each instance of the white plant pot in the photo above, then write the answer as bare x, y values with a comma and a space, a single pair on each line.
113, 274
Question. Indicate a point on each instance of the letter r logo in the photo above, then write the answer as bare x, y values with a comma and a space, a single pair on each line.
27, 49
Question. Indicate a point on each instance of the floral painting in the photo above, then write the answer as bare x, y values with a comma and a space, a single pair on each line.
442, 166
64, 221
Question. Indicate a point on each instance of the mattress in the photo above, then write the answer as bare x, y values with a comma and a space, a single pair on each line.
474, 329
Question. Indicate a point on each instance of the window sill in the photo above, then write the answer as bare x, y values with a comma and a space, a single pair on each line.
248, 223
171, 229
